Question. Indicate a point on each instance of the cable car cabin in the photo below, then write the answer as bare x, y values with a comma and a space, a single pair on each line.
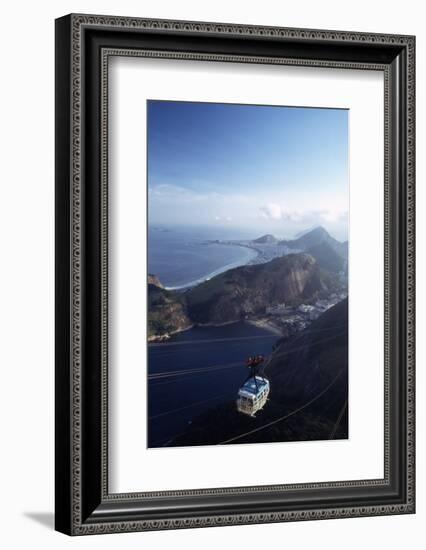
252, 395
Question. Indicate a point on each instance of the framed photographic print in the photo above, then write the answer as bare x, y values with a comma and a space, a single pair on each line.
234, 274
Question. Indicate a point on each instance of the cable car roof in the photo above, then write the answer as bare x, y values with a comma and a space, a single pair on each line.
250, 386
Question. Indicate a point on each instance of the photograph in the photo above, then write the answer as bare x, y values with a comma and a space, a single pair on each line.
247, 287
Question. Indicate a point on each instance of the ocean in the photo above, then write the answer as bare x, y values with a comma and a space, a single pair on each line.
181, 256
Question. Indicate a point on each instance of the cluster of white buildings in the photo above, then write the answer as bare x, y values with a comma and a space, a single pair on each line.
296, 318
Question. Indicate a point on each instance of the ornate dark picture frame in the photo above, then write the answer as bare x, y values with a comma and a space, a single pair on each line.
84, 44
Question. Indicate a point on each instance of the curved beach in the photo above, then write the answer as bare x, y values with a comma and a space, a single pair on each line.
251, 254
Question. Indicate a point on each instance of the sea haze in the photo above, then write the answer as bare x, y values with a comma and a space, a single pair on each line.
181, 256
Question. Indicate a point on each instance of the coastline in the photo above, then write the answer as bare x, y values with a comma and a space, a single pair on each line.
258, 323
264, 252
219, 270
168, 335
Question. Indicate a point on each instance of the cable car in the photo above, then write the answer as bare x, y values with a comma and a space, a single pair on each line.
253, 394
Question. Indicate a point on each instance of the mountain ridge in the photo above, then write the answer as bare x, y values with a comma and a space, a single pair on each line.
307, 240
327, 257
315, 237
265, 239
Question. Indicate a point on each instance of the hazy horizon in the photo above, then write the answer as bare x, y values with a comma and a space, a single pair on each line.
238, 231
259, 169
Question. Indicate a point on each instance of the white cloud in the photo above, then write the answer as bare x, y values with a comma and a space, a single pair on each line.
271, 211
333, 216
274, 212
294, 216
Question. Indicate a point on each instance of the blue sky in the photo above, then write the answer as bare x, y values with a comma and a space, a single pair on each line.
276, 169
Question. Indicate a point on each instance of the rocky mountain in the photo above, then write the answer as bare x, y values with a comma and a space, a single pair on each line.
154, 280
304, 231
266, 239
248, 290
308, 376
315, 237
343, 249
327, 257
166, 312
